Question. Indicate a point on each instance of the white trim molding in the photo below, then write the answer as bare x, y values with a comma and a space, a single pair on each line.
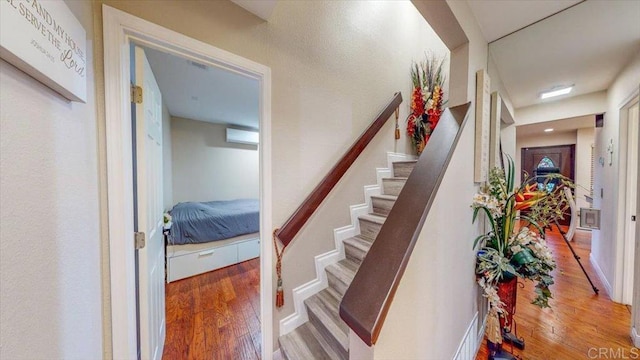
306, 290
120, 30
635, 337
603, 278
469, 345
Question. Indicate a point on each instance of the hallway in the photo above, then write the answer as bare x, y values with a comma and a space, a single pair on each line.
580, 324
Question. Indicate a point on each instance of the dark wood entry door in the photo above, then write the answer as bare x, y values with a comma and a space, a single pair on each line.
561, 156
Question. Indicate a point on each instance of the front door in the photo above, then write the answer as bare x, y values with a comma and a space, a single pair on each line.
149, 209
631, 198
561, 156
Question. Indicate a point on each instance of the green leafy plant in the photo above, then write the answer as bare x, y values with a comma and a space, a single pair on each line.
515, 243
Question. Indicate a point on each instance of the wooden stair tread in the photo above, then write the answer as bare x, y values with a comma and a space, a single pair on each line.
344, 270
305, 342
359, 243
324, 306
385, 197
374, 218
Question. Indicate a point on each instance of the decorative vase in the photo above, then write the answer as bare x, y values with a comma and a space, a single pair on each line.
508, 294
508, 291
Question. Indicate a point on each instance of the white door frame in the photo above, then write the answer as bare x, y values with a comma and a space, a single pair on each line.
120, 29
620, 210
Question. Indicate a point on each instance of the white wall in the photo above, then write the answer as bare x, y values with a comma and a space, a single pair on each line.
50, 266
206, 168
585, 139
604, 249
588, 104
167, 177
438, 284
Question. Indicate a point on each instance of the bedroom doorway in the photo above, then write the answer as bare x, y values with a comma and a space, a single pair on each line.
201, 270
197, 162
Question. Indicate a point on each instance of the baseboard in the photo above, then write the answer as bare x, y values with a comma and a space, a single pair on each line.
480, 334
635, 337
605, 282
468, 346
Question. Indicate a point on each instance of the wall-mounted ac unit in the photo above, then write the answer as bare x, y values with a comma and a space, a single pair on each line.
243, 136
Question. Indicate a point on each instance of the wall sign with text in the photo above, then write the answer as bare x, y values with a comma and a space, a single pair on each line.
45, 40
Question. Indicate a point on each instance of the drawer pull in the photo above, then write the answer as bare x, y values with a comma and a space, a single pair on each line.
208, 252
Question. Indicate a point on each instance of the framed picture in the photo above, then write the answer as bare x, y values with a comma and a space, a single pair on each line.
483, 136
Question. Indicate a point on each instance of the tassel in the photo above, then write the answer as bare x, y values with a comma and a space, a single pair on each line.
279, 295
279, 289
397, 126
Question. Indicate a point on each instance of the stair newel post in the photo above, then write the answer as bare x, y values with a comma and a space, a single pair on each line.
279, 252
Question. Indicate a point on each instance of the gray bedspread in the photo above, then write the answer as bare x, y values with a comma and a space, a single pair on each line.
200, 222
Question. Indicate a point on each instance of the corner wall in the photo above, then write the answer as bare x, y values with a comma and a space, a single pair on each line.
606, 248
205, 167
51, 304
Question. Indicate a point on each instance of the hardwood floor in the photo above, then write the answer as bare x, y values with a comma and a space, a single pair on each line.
578, 320
215, 315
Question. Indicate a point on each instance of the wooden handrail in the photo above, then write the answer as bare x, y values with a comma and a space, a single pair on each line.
297, 220
368, 298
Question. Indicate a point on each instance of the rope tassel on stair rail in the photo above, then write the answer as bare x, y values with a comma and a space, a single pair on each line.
279, 252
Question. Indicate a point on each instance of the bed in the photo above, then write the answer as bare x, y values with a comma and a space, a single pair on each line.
205, 236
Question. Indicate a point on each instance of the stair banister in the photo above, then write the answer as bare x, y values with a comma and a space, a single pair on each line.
368, 298
297, 220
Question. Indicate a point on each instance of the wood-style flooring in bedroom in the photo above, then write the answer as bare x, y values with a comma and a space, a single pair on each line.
215, 315
579, 323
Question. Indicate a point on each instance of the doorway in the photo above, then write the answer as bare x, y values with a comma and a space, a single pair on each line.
560, 156
120, 31
629, 177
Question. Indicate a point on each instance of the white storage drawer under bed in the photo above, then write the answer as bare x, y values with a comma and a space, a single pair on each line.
212, 258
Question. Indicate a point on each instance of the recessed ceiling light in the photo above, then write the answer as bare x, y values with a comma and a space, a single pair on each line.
548, 130
556, 92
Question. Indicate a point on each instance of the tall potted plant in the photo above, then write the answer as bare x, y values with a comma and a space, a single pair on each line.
515, 247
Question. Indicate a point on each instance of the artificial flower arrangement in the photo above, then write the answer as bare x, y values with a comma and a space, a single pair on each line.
426, 100
515, 244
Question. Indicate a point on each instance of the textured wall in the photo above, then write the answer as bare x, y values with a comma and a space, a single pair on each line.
207, 168
50, 278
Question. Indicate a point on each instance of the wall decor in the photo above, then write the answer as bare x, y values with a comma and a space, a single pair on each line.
45, 40
494, 130
483, 89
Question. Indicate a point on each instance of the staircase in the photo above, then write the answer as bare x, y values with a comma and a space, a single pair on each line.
325, 335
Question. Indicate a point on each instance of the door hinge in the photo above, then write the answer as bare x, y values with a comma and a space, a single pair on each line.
139, 239
633, 218
136, 94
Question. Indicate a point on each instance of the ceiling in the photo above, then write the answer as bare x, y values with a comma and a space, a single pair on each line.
261, 8
205, 93
558, 126
585, 45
